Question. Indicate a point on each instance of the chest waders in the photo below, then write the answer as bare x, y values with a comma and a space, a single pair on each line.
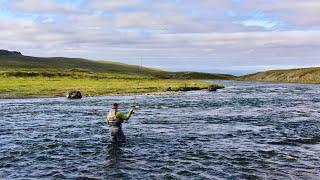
115, 127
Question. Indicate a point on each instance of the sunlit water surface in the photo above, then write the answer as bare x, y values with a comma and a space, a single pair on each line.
245, 131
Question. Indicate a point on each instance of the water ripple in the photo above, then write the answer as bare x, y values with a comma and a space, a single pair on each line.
245, 131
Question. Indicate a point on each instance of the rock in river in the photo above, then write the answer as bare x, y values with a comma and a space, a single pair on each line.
213, 87
74, 95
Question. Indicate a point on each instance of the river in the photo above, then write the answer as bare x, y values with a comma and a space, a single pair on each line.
245, 131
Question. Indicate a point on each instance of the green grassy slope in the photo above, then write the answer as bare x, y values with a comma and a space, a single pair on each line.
23, 76
303, 75
61, 64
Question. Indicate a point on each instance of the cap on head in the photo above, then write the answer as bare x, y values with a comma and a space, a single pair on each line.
114, 105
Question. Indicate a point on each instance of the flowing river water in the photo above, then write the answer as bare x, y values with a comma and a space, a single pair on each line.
245, 131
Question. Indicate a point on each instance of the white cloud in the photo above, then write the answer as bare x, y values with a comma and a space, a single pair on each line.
241, 45
43, 6
174, 33
113, 4
294, 11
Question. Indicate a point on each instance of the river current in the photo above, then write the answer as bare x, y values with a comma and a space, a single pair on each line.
245, 131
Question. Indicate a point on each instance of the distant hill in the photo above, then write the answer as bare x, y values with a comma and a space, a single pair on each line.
14, 61
303, 75
6, 52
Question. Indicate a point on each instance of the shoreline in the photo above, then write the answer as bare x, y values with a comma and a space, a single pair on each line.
8, 96
275, 82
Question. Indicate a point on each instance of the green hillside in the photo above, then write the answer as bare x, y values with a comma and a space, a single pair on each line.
303, 75
25, 76
18, 62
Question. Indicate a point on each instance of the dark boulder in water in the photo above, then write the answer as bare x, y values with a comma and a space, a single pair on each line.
74, 95
6, 52
214, 87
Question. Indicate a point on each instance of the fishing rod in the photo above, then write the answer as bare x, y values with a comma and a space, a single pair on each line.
138, 84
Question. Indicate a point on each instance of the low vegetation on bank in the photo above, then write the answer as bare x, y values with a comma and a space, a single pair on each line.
44, 84
303, 75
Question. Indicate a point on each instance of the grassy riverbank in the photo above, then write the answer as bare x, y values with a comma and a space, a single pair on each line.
35, 84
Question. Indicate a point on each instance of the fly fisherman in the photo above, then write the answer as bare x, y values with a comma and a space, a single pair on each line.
115, 120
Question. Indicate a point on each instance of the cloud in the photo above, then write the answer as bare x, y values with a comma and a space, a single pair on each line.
164, 22
167, 16
113, 4
292, 11
43, 6
208, 34
218, 45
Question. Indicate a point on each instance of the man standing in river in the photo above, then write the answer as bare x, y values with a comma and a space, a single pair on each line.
115, 120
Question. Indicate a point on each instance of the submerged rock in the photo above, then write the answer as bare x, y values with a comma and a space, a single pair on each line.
74, 95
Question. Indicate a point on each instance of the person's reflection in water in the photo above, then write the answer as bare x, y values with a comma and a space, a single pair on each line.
114, 168
115, 152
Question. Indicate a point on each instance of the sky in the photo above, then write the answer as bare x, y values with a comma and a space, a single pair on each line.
218, 36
